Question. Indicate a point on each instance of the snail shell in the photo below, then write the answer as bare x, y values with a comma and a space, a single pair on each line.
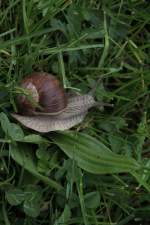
45, 95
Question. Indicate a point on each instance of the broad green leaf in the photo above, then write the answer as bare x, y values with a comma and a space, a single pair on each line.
24, 156
14, 196
35, 139
42, 154
31, 198
5, 124
32, 202
92, 200
13, 130
43, 167
92, 155
46, 160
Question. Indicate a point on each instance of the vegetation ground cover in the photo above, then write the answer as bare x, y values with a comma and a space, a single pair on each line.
98, 172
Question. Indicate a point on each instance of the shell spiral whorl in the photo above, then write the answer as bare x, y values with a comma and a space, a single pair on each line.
46, 94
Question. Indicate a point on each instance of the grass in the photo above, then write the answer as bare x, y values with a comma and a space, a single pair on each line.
98, 172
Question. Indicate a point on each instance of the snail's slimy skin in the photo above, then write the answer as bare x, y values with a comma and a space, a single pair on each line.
72, 115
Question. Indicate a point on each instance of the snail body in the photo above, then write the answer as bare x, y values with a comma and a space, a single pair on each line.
74, 114
46, 95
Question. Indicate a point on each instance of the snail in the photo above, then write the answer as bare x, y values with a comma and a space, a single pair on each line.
48, 107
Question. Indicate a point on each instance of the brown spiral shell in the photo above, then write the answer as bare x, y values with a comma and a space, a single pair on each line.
46, 93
